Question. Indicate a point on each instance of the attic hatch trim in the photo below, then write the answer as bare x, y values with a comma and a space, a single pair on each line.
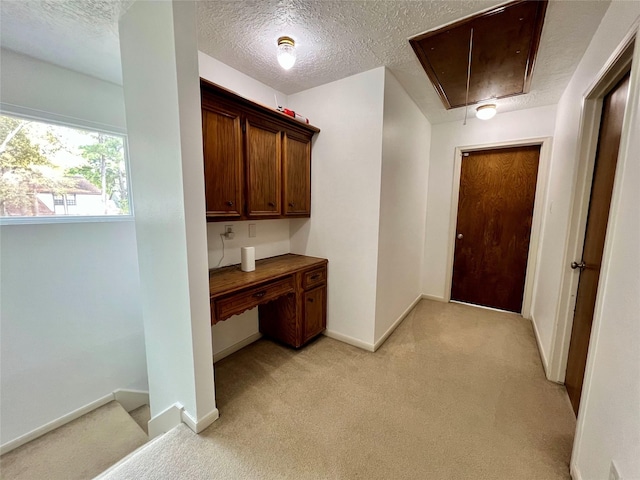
423, 57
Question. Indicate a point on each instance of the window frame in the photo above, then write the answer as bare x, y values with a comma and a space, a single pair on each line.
77, 123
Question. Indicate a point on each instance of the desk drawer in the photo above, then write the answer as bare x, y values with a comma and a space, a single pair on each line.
236, 303
314, 277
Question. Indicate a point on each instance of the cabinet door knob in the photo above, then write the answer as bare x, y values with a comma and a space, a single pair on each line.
230, 203
291, 204
271, 204
310, 300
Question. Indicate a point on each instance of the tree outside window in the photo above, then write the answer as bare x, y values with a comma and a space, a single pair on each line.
54, 170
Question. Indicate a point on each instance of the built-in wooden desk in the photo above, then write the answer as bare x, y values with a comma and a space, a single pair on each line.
290, 291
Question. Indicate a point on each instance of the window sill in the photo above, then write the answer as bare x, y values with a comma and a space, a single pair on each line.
64, 219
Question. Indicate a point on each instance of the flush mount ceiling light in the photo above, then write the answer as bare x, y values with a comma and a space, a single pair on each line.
485, 112
286, 52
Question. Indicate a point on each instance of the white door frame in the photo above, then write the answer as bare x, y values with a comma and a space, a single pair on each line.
609, 76
538, 210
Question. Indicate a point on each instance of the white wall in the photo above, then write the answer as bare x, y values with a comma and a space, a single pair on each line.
272, 235
504, 127
162, 97
69, 292
406, 137
71, 324
609, 418
217, 72
345, 188
31, 86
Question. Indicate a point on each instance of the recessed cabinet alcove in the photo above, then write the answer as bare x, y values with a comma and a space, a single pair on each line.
257, 161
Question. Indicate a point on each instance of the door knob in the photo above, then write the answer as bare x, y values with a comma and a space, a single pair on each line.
459, 236
580, 265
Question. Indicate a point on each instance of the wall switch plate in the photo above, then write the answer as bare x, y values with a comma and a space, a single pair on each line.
252, 230
613, 472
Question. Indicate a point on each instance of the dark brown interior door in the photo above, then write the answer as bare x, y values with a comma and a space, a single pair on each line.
601, 190
495, 211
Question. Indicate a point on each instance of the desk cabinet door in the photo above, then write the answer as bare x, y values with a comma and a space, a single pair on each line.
222, 139
263, 169
315, 308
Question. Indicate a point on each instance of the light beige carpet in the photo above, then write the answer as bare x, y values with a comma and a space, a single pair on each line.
78, 450
455, 393
141, 416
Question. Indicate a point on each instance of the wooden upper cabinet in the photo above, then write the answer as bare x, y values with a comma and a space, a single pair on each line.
296, 165
257, 161
263, 168
222, 141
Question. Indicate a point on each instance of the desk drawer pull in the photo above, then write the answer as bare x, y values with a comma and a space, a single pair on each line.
260, 294
314, 277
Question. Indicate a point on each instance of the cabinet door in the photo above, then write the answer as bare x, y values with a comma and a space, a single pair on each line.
315, 312
222, 141
263, 163
297, 175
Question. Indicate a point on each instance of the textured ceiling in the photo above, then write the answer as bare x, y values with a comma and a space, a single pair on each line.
78, 34
334, 39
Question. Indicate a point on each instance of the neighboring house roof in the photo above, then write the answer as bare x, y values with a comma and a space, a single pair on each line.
15, 211
76, 184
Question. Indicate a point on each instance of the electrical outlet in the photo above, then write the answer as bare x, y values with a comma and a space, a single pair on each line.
228, 232
613, 472
252, 230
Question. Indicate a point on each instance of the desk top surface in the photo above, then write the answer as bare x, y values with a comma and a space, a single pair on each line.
228, 279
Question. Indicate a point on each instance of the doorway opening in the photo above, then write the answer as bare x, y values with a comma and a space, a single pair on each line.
618, 66
588, 267
509, 167
495, 214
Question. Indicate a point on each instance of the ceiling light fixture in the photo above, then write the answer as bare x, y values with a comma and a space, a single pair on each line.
485, 112
286, 52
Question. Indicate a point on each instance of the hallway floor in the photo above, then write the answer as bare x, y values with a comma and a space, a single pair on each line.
456, 392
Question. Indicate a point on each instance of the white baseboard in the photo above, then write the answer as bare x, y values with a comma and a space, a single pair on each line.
543, 357
395, 324
58, 422
198, 426
434, 298
236, 346
175, 415
166, 420
350, 340
131, 399
575, 473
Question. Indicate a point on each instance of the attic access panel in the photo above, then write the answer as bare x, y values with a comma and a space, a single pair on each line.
505, 44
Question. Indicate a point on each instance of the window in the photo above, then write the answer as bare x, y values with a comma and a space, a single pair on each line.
49, 170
